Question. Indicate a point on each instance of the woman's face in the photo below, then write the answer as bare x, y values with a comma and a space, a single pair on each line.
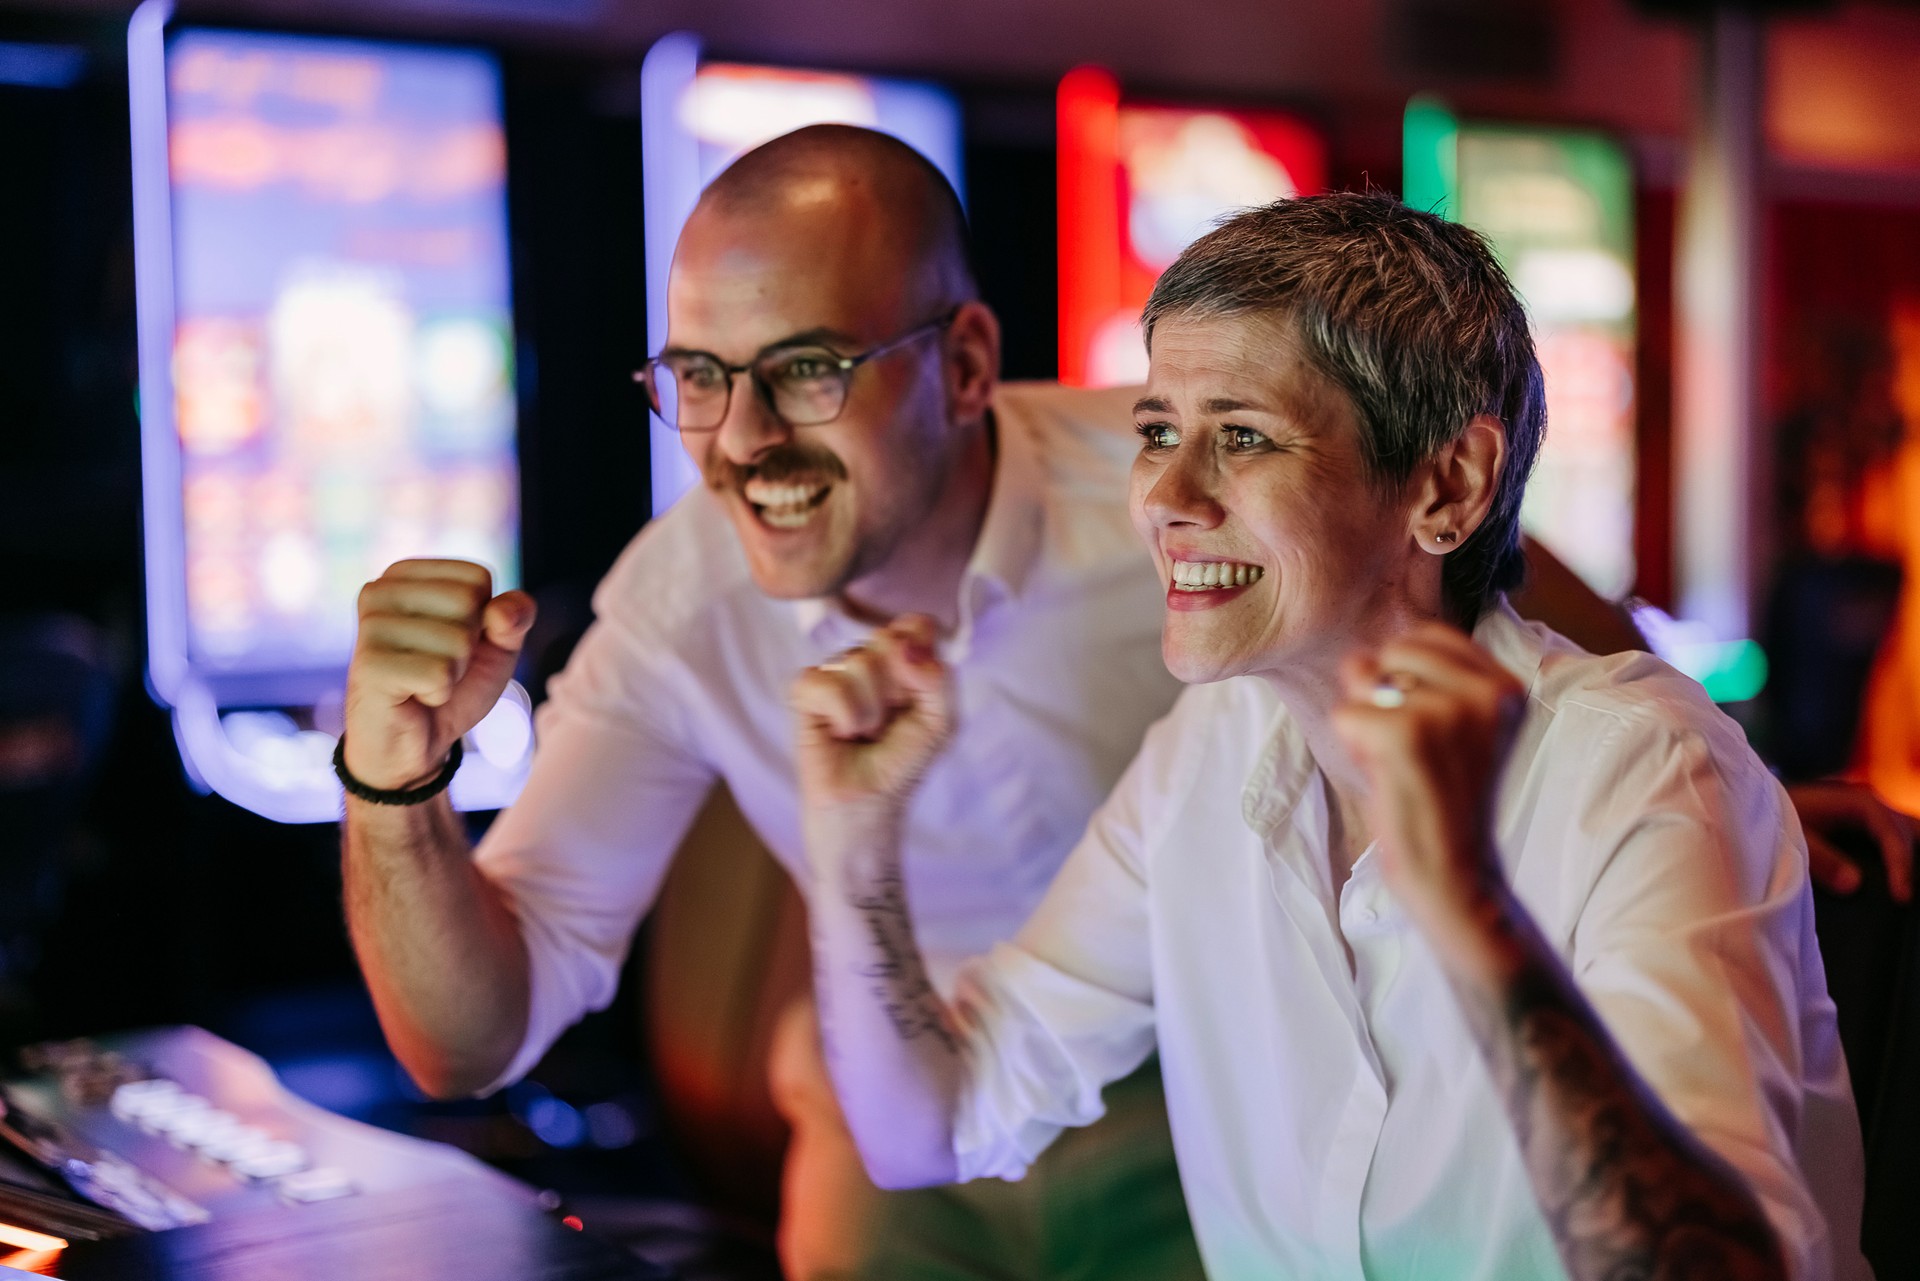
1252, 494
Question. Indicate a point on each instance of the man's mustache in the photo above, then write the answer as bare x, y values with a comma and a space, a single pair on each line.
795, 458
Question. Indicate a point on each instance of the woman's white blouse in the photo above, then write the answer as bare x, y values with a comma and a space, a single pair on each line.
1333, 1117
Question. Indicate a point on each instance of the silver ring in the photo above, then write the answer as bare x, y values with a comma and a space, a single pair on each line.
1388, 692
838, 663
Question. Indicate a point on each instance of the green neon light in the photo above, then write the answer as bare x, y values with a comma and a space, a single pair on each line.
1430, 156
1739, 674
1731, 671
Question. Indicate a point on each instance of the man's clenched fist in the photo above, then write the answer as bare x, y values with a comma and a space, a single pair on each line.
436, 649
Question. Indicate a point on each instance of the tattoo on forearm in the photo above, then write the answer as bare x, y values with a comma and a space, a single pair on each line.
897, 976
1627, 1190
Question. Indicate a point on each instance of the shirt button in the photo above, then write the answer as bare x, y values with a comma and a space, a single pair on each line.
1366, 916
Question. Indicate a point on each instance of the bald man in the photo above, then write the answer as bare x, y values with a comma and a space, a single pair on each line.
833, 373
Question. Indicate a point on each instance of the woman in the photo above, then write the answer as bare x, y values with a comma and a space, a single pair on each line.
1465, 953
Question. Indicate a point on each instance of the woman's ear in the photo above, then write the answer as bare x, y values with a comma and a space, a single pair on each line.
1459, 485
972, 356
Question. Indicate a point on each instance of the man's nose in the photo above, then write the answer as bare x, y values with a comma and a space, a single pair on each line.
751, 427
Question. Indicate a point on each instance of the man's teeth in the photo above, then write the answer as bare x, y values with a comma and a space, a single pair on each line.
786, 517
767, 494
784, 506
1211, 575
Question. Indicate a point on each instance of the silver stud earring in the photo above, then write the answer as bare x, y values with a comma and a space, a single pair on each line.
1445, 537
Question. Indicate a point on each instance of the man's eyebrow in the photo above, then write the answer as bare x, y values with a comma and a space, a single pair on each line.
819, 336
1152, 405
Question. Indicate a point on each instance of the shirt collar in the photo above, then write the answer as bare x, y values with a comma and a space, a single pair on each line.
1281, 775
1515, 644
1005, 551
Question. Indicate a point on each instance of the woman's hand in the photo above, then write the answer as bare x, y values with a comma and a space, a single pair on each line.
1428, 720
873, 719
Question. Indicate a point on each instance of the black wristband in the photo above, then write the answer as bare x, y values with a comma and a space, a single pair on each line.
396, 795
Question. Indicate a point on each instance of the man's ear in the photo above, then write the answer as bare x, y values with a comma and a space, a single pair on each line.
1456, 487
972, 360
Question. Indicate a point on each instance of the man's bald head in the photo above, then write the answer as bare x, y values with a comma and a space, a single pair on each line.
849, 241
895, 194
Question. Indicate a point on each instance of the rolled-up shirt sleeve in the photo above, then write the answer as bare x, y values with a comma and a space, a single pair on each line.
1695, 945
616, 782
1050, 1018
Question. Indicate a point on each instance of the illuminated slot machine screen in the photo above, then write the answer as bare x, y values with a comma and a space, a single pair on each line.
696, 116
1139, 182
326, 347
1557, 207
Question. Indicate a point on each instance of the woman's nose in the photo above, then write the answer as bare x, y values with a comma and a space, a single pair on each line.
1184, 492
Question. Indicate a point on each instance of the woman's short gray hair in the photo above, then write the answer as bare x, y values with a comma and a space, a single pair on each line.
1412, 317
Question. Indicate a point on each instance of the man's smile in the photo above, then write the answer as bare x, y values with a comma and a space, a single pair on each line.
786, 504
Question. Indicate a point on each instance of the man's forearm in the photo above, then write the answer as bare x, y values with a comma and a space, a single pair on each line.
1626, 1188
440, 949
890, 1044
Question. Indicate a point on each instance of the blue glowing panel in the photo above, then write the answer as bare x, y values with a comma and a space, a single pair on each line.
697, 117
341, 340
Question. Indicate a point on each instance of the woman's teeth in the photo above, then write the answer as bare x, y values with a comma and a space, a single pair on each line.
784, 506
1212, 575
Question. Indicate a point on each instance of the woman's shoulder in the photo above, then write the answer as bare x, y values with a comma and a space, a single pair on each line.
1631, 712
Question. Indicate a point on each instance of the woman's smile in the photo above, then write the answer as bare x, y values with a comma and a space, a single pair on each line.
1208, 584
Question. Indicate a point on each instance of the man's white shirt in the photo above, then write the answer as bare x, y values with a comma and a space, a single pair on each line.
682, 680
1331, 1113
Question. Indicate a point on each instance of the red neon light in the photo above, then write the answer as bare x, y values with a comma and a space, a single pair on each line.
1183, 158
1089, 199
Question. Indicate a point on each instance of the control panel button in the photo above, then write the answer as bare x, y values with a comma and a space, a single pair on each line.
163, 1115
237, 1144
322, 1183
197, 1129
136, 1098
278, 1158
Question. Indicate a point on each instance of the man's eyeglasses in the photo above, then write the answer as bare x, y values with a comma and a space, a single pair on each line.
804, 386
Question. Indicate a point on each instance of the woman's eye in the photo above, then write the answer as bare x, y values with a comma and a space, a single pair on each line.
1157, 435
1242, 438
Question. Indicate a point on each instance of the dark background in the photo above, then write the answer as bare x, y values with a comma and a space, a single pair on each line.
151, 903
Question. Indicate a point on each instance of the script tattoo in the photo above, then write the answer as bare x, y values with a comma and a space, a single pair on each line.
1627, 1190
898, 979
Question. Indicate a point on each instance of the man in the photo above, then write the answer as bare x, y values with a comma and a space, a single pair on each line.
833, 373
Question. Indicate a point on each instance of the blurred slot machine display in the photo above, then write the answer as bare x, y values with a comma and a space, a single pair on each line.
1139, 182
1557, 207
326, 349
697, 116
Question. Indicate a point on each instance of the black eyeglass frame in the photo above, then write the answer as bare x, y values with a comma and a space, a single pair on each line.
843, 367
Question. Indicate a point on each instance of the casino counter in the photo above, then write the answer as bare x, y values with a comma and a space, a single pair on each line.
171, 1154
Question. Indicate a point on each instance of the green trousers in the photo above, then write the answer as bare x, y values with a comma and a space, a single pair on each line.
1102, 1204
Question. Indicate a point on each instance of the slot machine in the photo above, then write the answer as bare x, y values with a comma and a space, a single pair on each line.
326, 380
1556, 205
